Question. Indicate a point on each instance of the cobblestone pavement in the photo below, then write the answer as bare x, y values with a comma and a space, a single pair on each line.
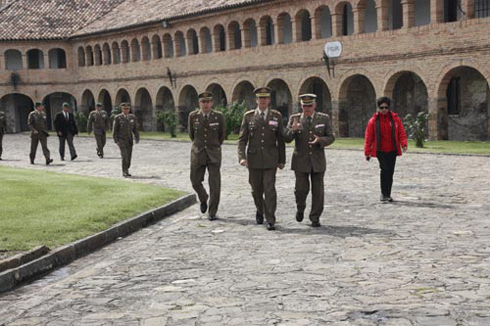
423, 260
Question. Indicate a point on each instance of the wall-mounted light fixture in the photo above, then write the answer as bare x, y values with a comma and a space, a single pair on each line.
165, 24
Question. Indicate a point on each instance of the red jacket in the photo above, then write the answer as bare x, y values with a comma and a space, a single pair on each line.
370, 139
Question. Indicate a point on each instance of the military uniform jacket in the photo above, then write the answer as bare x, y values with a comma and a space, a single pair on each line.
206, 137
3, 123
310, 158
266, 148
98, 121
37, 122
124, 128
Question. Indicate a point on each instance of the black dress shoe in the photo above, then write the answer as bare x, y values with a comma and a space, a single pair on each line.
300, 216
259, 217
204, 207
212, 217
271, 227
74, 157
126, 175
315, 224
62, 158
389, 199
383, 199
49, 161
32, 161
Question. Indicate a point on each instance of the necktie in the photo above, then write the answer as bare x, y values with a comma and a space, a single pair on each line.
206, 118
309, 121
66, 116
262, 116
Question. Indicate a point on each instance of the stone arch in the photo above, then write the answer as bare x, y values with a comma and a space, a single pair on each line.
106, 54
17, 107
145, 49
323, 25
206, 40
57, 58
188, 102
180, 47
106, 100
408, 92
219, 95
81, 56
346, 27
135, 50
303, 25
53, 103
369, 16
97, 55
122, 96
219, 40
250, 33
281, 98
234, 36
316, 85
285, 28
143, 109
164, 102
266, 25
463, 106
125, 52
192, 42
35, 59
156, 46
168, 46
244, 92
13, 59
116, 53
357, 103
88, 102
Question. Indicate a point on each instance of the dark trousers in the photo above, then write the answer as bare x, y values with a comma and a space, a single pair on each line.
69, 139
302, 188
101, 140
126, 152
1, 148
44, 144
387, 161
263, 182
214, 179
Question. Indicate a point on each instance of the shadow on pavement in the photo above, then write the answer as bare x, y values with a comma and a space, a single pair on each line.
337, 231
421, 204
141, 177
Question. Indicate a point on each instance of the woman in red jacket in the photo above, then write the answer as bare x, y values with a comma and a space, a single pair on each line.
385, 138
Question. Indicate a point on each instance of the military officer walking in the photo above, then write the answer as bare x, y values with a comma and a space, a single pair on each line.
66, 128
312, 132
100, 123
3, 130
37, 124
262, 130
124, 127
207, 131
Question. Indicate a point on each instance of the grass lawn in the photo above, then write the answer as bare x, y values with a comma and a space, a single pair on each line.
53, 209
448, 147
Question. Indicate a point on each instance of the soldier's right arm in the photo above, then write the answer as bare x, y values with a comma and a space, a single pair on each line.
190, 127
115, 130
243, 139
31, 121
90, 122
287, 132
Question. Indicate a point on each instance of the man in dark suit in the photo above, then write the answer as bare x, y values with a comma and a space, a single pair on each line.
312, 132
66, 128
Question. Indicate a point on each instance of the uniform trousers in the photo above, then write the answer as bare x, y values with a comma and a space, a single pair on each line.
100, 139
263, 182
302, 189
214, 180
44, 144
126, 152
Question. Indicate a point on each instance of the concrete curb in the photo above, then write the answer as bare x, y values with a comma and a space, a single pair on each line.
66, 254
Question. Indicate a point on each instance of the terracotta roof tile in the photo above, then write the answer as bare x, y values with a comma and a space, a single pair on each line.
54, 19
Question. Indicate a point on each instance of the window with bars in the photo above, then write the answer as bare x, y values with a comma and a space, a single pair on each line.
482, 8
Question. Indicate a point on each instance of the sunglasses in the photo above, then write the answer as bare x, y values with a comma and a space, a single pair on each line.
384, 107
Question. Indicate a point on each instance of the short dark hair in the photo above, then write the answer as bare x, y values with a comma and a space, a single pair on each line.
384, 99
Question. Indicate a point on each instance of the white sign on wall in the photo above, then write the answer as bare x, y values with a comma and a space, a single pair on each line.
333, 49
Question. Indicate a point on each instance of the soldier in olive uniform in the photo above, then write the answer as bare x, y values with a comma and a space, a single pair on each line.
312, 132
100, 123
39, 133
207, 130
3, 130
262, 129
125, 125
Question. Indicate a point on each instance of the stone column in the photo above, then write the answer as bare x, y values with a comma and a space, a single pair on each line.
335, 118
468, 7
296, 30
436, 11
246, 37
262, 34
337, 25
216, 42
383, 16
97, 56
359, 17
438, 119
408, 13
190, 46
279, 31
316, 26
